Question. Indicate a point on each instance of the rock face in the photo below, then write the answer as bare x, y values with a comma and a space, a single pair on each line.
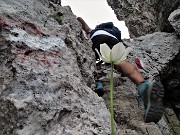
47, 80
144, 16
155, 50
174, 19
46, 73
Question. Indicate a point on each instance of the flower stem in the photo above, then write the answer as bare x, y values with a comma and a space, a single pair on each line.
111, 99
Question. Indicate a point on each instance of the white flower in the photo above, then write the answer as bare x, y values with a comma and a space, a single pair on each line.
116, 55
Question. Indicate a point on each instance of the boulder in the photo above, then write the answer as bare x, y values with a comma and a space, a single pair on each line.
46, 73
144, 16
174, 20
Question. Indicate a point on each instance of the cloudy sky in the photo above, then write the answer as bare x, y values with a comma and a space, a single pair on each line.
95, 12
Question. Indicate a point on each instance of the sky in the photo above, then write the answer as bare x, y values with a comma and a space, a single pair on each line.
95, 12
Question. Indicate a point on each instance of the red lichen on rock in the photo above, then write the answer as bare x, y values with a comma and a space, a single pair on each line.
3, 22
12, 20
31, 28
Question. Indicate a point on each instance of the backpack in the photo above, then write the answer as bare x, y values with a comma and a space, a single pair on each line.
110, 28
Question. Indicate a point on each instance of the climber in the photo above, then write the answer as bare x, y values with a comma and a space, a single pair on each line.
150, 92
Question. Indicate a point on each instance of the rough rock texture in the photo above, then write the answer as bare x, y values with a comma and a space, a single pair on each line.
128, 109
46, 73
144, 16
155, 50
174, 19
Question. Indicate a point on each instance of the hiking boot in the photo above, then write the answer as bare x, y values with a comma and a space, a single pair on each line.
151, 94
99, 88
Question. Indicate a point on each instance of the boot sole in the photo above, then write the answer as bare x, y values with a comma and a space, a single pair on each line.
155, 109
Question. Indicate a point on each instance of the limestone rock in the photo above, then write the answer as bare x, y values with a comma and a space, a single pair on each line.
155, 50
144, 16
174, 19
46, 73
47, 80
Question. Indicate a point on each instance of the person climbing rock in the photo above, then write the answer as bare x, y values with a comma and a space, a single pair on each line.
150, 92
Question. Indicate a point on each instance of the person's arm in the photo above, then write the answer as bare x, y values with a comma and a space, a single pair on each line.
85, 27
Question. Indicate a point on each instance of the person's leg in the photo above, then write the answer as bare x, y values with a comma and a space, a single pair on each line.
130, 71
85, 27
150, 92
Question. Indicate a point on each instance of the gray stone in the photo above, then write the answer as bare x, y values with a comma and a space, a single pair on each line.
47, 80
46, 73
174, 19
155, 50
144, 16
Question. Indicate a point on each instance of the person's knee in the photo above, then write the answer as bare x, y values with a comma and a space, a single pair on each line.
126, 68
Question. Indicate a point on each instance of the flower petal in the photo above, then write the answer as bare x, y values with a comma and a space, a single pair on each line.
105, 51
104, 59
117, 52
127, 51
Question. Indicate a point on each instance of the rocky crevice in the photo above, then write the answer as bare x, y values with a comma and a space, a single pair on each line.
46, 76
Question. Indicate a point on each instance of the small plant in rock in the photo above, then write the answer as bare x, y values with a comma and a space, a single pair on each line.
57, 17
